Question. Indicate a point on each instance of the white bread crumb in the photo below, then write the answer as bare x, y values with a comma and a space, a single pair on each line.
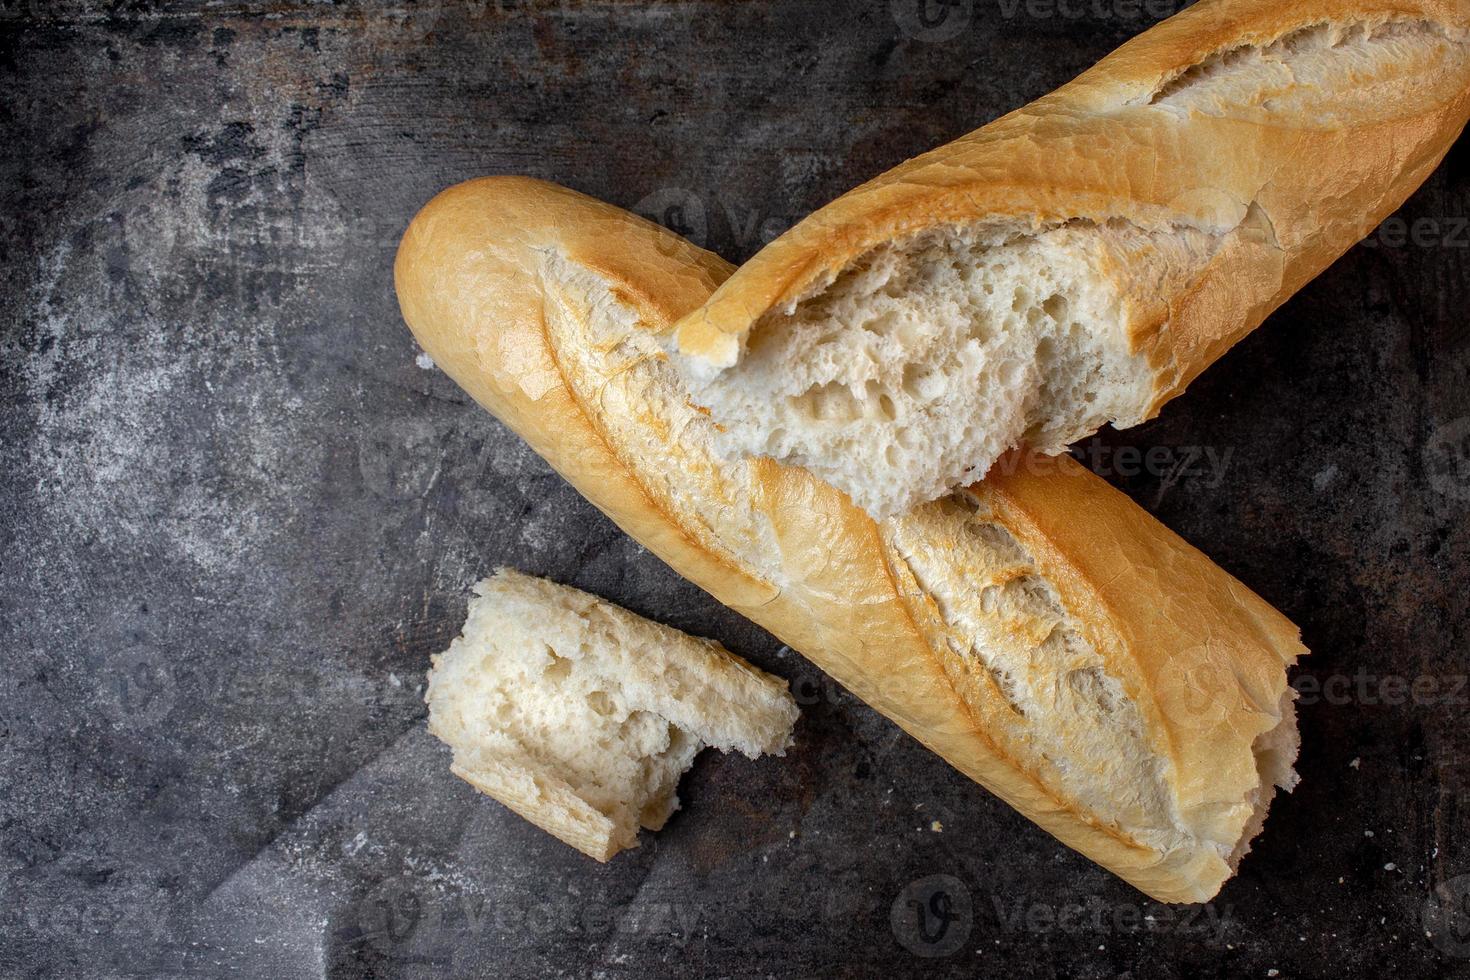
581, 716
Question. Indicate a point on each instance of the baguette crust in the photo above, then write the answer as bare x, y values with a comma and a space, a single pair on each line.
1284, 190
489, 278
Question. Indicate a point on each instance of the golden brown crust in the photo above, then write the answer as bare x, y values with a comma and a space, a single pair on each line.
480, 243
476, 278
1225, 673
1288, 193
549, 804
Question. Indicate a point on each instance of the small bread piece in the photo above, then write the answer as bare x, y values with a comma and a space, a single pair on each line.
1039, 630
1082, 259
581, 716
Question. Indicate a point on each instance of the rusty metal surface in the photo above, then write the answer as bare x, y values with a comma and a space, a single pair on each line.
238, 515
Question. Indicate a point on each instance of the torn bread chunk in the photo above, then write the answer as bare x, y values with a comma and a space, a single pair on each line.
581, 716
926, 360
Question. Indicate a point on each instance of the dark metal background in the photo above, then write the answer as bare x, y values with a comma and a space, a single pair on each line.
237, 517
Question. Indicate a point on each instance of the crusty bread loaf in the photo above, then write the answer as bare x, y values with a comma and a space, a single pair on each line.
581, 716
1083, 258
1039, 631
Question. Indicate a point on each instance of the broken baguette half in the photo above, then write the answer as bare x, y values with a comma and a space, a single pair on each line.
1082, 259
581, 716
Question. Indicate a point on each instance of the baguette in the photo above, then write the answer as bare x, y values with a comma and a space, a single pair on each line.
1038, 630
1082, 259
581, 716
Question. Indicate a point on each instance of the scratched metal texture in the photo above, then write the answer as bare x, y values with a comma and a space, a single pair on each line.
238, 513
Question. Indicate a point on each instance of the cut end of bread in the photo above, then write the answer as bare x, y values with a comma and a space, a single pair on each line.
581, 716
1057, 702
1275, 751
